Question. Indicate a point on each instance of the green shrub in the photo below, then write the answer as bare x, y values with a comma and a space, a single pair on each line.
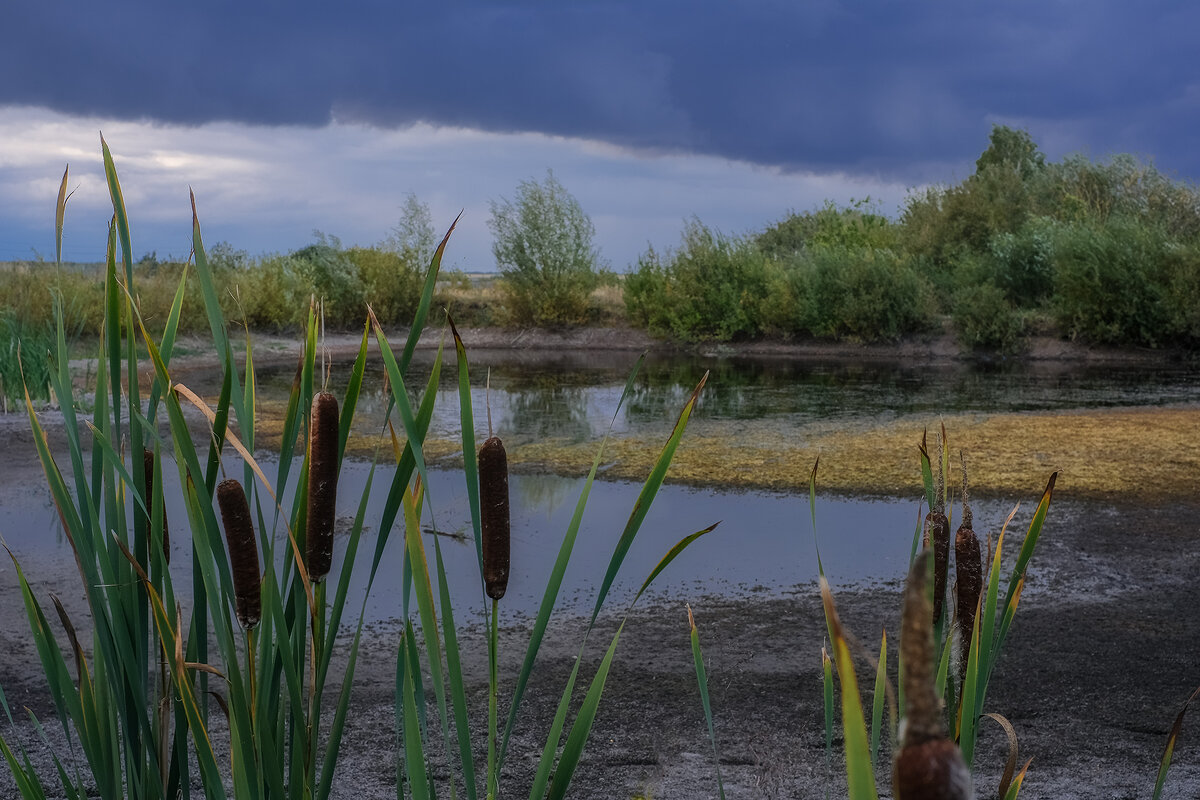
1022, 264
984, 319
333, 277
712, 287
867, 295
855, 226
1183, 293
1109, 283
391, 281
543, 247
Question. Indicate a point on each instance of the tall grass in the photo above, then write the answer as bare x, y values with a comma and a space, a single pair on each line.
253, 641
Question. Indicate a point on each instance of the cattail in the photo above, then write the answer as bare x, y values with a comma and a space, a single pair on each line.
927, 766
151, 499
322, 484
243, 552
969, 579
493, 500
936, 536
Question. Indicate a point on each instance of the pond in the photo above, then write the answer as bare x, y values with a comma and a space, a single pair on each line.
765, 541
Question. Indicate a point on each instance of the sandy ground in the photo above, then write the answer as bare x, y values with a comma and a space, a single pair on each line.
1104, 651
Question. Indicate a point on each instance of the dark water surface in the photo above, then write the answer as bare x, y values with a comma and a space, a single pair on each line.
765, 541
572, 396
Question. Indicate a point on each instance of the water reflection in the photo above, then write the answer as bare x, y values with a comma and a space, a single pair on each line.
571, 396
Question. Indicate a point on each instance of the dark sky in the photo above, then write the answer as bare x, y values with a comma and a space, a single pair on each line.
895, 89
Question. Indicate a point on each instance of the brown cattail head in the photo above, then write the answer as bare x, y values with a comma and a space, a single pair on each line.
243, 552
152, 498
494, 518
933, 770
322, 484
936, 538
969, 580
927, 766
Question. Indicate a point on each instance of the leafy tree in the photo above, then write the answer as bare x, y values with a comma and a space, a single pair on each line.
413, 238
1013, 150
543, 247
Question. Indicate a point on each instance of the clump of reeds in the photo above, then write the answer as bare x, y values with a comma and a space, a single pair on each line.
243, 551
937, 536
968, 575
494, 516
152, 498
322, 484
927, 765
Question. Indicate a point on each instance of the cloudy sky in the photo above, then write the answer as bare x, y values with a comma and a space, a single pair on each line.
286, 117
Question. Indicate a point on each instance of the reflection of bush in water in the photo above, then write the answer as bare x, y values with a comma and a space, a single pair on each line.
542, 493
558, 412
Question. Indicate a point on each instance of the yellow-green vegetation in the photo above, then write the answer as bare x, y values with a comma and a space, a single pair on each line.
1091, 448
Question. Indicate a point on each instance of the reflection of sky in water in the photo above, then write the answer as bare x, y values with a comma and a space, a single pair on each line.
763, 544
572, 396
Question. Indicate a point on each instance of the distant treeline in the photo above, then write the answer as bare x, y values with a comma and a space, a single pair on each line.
1105, 252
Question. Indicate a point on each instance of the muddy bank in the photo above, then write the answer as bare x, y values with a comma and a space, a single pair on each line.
1102, 655
938, 347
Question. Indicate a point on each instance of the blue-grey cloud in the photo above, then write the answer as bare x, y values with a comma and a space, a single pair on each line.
896, 89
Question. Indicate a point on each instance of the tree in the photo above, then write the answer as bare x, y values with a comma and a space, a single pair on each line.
543, 247
1012, 149
413, 237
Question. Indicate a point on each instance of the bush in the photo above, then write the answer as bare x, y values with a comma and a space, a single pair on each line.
1109, 283
543, 247
856, 226
1020, 264
866, 295
269, 296
333, 277
392, 282
984, 319
1183, 293
712, 287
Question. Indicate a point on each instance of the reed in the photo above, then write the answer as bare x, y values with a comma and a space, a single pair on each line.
322, 485
968, 570
155, 498
927, 764
494, 519
243, 551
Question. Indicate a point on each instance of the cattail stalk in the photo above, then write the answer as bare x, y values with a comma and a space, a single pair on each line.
927, 765
494, 516
243, 552
936, 536
969, 578
151, 499
322, 484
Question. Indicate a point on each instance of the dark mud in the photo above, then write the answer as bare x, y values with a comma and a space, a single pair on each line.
1104, 651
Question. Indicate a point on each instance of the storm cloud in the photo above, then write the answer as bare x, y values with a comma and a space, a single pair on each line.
901, 90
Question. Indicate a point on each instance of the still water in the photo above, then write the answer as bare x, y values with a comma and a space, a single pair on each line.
765, 542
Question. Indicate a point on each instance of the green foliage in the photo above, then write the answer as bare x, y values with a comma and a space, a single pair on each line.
1011, 150
866, 295
413, 238
712, 287
984, 319
24, 360
543, 247
1110, 283
1021, 264
392, 281
856, 226
334, 279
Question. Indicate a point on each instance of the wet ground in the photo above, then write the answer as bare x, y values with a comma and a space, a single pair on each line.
1103, 653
